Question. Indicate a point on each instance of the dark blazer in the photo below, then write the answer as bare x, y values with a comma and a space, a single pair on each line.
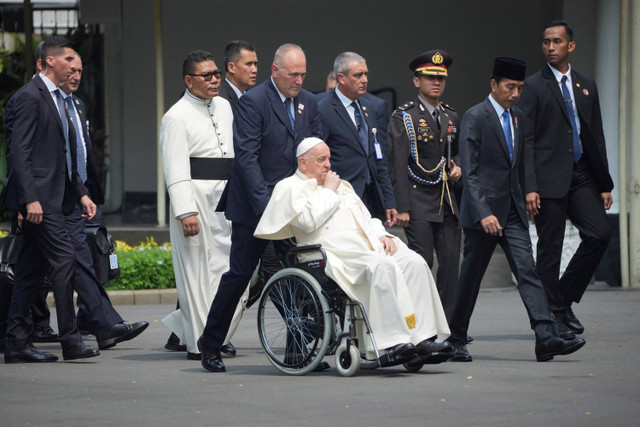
36, 153
265, 149
96, 193
548, 152
379, 107
348, 157
421, 201
491, 180
227, 92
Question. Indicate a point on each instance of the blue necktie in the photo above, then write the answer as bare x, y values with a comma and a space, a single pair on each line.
287, 106
80, 157
65, 129
361, 126
577, 149
506, 128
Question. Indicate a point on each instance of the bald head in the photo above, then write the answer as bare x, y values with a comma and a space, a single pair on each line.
289, 69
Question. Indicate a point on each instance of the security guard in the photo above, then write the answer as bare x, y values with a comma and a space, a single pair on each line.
423, 142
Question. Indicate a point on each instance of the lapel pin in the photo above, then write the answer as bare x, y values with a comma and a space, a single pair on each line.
79, 111
300, 106
577, 84
585, 91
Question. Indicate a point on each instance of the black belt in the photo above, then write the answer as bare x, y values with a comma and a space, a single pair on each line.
210, 168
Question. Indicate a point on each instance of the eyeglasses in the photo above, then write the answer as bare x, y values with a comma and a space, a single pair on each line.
208, 76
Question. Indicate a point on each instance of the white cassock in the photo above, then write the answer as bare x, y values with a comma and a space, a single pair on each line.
191, 128
398, 292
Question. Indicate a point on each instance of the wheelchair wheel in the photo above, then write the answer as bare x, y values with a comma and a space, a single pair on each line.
294, 322
347, 359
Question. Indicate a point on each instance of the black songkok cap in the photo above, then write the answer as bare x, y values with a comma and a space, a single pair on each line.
509, 68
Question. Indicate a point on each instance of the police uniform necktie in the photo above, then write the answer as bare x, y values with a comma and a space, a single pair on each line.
436, 117
65, 129
361, 126
81, 160
506, 128
577, 149
287, 106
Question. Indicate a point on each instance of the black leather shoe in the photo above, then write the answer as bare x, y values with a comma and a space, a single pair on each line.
460, 354
211, 359
322, 366
402, 351
173, 343
572, 321
120, 332
430, 346
79, 351
228, 349
564, 332
555, 346
469, 339
45, 334
28, 355
194, 356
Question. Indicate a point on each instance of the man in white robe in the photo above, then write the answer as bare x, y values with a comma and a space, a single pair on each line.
392, 282
196, 140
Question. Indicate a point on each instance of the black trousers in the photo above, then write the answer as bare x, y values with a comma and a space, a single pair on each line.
45, 244
94, 306
478, 249
245, 253
425, 236
584, 207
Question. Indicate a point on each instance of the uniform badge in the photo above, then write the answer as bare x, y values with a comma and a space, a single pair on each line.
430, 137
422, 122
585, 91
437, 58
450, 123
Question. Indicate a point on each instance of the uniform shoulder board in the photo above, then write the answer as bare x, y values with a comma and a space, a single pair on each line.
448, 107
406, 106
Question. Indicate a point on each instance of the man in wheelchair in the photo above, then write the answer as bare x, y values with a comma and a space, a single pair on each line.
393, 283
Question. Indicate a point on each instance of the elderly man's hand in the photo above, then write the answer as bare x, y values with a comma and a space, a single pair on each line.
390, 248
491, 225
190, 226
332, 181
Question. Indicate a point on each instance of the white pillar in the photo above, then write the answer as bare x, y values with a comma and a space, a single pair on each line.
633, 120
160, 187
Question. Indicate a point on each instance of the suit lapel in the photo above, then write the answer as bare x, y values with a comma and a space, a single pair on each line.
552, 84
578, 95
494, 122
344, 115
517, 147
46, 95
278, 107
368, 120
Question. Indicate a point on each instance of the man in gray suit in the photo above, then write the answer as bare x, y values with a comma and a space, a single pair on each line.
493, 212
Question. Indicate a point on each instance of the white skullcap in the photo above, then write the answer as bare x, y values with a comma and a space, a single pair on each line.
307, 144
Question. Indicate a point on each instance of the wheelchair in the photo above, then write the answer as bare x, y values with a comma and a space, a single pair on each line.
304, 316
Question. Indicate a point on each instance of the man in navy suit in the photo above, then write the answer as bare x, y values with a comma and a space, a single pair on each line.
493, 212
241, 70
566, 173
46, 186
95, 311
269, 123
350, 129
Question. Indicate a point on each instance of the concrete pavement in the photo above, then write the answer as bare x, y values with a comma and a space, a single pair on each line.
138, 383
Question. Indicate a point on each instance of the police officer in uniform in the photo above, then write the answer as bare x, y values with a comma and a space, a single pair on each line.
423, 145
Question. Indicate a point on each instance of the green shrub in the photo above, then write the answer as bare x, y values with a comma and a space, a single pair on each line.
147, 266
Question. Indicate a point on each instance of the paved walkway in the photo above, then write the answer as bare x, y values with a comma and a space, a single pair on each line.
138, 383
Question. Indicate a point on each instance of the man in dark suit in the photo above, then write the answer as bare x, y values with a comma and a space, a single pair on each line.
46, 186
351, 132
241, 70
269, 122
493, 212
566, 173
95, 311
424, 154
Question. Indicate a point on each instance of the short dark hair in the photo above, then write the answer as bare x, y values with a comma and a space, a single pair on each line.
560, 23
193, 58
233, 51
52, 46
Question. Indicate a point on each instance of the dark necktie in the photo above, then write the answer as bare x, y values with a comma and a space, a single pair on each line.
436, 117
361, 126
287, 106
577, 149
81, 161
64, 117
506, 128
